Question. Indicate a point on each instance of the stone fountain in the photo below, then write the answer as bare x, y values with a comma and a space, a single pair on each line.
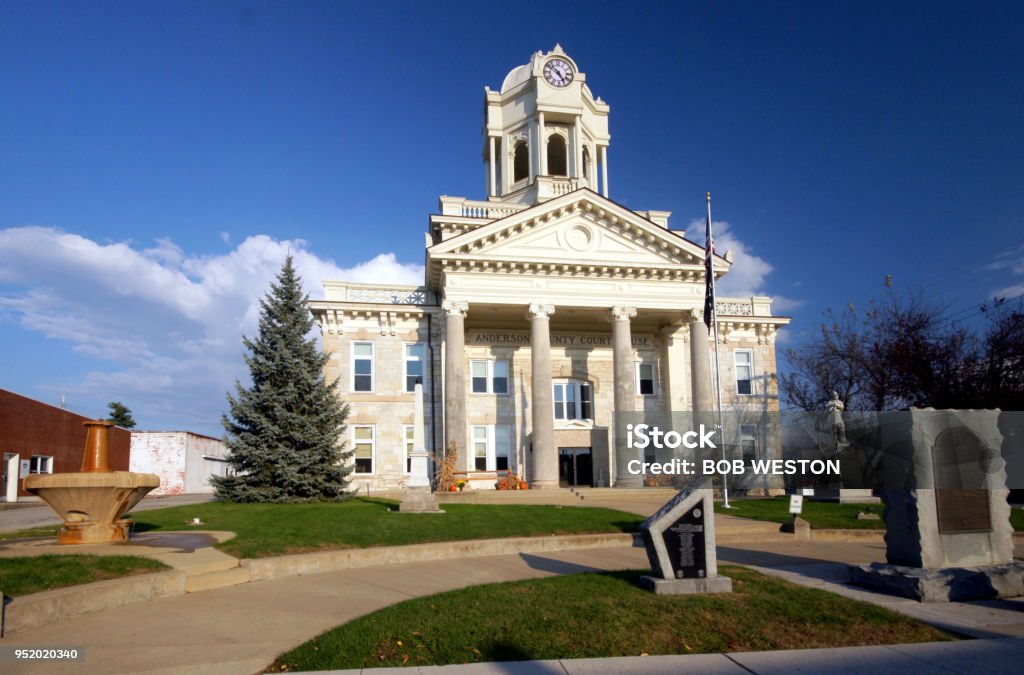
92, 501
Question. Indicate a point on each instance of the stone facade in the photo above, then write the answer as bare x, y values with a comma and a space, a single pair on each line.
545, 309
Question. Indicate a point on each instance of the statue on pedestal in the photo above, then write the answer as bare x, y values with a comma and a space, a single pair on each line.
835, 409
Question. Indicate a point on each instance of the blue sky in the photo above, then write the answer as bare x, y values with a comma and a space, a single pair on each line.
157, 160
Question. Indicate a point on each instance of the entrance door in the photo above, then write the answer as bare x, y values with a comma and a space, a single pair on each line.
575, 467
9, 482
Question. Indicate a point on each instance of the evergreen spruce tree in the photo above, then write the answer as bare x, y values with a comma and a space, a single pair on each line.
284, 431
120, 415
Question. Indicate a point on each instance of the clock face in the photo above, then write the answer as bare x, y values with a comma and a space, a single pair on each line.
558, 73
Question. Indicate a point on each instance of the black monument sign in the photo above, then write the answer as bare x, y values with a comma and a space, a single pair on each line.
684, 543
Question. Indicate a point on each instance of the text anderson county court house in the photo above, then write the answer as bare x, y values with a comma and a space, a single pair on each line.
545, 308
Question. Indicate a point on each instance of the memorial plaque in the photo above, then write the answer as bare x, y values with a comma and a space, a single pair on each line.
684, 543
963, 511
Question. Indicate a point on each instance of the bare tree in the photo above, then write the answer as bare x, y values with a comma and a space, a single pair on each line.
904, 352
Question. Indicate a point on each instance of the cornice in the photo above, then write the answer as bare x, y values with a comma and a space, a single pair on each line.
559, 268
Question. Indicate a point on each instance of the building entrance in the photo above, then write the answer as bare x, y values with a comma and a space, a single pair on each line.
575, 467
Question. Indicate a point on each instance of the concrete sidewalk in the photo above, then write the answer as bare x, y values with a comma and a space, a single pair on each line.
992, 657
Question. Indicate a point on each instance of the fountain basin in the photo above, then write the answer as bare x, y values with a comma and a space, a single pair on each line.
91, 504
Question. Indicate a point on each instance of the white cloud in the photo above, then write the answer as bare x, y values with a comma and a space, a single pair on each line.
1011, 264
1009, 292
748, 273
165, 324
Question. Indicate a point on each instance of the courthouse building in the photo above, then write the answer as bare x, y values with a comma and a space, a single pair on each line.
545, 308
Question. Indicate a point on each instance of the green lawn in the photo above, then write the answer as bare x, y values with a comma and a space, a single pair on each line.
824, 515
601, 615
821, 515
278, 529
48, 531
32, 574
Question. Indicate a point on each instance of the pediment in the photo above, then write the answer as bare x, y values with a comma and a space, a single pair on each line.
581, 228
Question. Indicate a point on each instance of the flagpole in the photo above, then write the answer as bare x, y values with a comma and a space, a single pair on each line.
718, 369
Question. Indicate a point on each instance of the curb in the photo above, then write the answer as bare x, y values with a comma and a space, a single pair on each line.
877, 536
40, 609
866, 534
263, 569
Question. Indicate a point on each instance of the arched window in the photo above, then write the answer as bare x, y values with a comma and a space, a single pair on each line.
586, 162
557, 156
521, 162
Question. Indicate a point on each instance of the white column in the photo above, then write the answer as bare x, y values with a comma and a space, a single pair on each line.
542, 146
455, 381
544, 460
701, 387
623, 376
604, 170
494, 173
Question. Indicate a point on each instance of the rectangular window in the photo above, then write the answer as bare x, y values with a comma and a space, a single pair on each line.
481, 444
478, 370
364, 445
744, 371
362, 366
748, 442
585, 403
499, 378
492, 447
489, 377
573, 400
645, 379
502, 447
414, 366
41, 464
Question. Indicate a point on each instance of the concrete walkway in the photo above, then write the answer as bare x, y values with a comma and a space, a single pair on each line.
241, 629
992, 657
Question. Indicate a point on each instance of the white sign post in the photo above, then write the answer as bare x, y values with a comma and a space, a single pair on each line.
796, 504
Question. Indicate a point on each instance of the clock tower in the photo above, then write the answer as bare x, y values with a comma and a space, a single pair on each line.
545, 134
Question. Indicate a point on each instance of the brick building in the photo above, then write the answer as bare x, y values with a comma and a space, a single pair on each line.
51, 439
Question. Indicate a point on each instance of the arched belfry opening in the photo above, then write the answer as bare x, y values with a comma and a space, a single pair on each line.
521, 162
586, 162
558, 156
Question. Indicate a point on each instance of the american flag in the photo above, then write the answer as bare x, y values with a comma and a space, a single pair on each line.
709, 276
